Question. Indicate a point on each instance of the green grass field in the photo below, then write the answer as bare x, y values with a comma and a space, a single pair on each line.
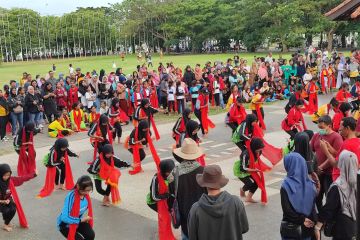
14, 70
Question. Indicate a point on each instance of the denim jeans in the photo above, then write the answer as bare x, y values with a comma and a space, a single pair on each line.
35, 118
16, 118
221, 97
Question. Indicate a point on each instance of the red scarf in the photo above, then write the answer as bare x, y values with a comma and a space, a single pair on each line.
257, 176
324, 74
136, 154
111, 176
73, 97
94, 117
273, 154
154, 99
19, 209
49, 185
143, 114
313, 101
205, 121
181, 129
122, 117
77, 118
75, 212
136, 103
259, 115
164, 220
26, 162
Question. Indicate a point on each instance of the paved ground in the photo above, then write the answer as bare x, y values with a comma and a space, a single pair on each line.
132, 219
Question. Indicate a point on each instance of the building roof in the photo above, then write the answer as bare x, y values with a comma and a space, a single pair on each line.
347, 10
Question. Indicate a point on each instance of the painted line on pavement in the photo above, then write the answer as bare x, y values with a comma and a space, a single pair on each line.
280, 173
163, 150
219, 145
215, 155
206, 142
232, 148
226, 153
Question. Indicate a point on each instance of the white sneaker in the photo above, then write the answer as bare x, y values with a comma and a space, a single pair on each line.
6, 138
41, 126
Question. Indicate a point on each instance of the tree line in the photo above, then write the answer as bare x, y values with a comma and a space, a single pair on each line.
151, 25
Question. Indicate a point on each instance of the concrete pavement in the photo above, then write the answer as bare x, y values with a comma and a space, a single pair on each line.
132, 219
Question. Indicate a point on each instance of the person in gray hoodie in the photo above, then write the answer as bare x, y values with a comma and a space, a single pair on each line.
217, 214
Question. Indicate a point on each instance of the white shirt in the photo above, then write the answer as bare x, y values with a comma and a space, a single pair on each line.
307, 78
171, 93
216, 87
71, 70
90, 98
181, 90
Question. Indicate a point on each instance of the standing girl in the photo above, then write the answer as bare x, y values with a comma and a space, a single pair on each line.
201, 111
73, 222
180, 97
171, 97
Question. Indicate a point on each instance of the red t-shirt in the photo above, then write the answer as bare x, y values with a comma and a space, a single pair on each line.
335, 141
352, 145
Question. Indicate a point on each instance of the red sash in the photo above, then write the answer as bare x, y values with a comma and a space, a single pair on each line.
273, 154
136, 154
95, 141
205, 121
26, 162
322, 80
19, 209
111, 176
260, 118
73, 97
75, 212
164, 220
257, 176
77, 118
154, 101
49, 185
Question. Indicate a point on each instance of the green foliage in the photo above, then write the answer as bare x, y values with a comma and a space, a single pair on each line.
165, 23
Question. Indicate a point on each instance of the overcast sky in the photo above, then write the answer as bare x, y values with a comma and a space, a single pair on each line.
55, 7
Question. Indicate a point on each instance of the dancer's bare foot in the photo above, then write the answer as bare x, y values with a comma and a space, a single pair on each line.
7, 228
242, 193
57, 187
62, 187
119, 141
250, 200
106, 201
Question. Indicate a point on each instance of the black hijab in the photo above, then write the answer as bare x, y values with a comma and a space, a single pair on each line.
166, 166
103, 128
302, 146
4, 185
60, 143
190, 127
250, 118
186, 115
29, 127
256, 144
143, 124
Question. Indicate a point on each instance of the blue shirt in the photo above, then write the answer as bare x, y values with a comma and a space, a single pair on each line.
65, 215
194, 91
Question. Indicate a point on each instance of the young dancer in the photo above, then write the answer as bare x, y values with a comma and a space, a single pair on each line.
103, 169
100, 134
236, 114
57, 129
249, 172
256, 106
77, 118
24, 146
117, 118
202, 109
75, 221
179, 129
58, 168
146, 112
9, 200
293, 121
166, 166
134, 144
